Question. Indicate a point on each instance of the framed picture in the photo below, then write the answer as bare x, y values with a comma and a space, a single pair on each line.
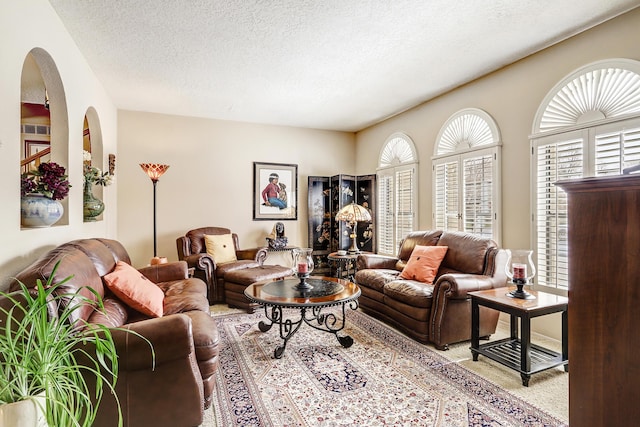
34, 147
275, 191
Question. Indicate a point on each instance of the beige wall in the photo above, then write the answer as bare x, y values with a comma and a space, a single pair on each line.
210, 178
511, 96
25, 25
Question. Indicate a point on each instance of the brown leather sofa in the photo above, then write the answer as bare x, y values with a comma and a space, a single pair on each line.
185, 339
191, 248
438, 312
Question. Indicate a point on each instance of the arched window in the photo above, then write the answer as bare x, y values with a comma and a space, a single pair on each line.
587, 125
397, 192
466, 175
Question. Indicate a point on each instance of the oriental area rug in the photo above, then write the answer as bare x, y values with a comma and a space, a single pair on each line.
383, 379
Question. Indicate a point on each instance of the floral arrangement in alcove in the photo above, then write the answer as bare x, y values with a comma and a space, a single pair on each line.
49, 180
92, 174
40, 191
92, 206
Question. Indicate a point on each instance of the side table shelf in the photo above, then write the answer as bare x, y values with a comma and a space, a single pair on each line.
508, 351
517, 352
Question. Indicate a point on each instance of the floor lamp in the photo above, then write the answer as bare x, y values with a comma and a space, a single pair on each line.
352, 214
154, 171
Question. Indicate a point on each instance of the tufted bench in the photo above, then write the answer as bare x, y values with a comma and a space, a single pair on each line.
235, 282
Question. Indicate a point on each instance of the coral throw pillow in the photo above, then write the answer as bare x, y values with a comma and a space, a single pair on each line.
220, 247
423, 263
135, 290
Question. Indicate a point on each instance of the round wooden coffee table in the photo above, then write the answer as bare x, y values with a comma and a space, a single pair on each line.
275, 296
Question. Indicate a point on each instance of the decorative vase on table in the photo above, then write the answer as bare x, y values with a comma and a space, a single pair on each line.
92, 206
37, 210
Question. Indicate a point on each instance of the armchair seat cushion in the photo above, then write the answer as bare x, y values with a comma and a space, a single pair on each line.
411, 292
223, 269
237, 281
249, 276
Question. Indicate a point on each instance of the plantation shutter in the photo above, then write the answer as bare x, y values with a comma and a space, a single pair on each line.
385, 215
465, 196
405, 204
587, 125
555, 161
446, 207
616, 150
478, 195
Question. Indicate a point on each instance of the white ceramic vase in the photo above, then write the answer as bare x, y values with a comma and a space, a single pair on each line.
25, 413
37, 210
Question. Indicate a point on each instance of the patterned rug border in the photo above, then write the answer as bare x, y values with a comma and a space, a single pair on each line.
251, 411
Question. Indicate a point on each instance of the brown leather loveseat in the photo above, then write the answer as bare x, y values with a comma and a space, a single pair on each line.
438, 312
185, 339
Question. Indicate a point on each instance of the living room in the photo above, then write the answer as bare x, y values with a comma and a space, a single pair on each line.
210, 179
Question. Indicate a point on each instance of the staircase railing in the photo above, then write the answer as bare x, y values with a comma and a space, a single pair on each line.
34, 160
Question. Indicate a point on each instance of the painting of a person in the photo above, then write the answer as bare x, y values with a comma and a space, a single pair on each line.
271, 193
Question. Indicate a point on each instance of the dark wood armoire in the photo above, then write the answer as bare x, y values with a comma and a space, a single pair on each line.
327, 195
604, 300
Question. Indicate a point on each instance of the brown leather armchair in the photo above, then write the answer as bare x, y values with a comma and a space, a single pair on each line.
438, 312
174, 392
191, 248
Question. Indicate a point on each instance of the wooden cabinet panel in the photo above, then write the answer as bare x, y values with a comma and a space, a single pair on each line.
604, 300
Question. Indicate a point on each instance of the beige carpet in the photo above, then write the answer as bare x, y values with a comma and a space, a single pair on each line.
547, 390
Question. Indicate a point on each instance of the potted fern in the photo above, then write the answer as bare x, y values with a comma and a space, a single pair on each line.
44, 358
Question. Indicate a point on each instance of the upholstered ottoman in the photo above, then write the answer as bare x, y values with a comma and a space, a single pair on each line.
235, 282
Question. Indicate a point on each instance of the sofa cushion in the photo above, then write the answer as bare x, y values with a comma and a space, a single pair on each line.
114, 315
467, 252
135, 290
181, 296
424, 263
422, 238
375, 278
411, 292
220, 247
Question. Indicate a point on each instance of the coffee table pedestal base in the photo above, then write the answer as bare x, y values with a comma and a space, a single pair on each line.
312, 316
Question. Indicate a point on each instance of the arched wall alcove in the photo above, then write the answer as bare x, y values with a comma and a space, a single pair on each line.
39, 61
93, 143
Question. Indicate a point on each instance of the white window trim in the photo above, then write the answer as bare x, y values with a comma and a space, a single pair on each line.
585, 129
403, 160
461, 145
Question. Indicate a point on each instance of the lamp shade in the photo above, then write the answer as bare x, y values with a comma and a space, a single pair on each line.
353, 213
154, 170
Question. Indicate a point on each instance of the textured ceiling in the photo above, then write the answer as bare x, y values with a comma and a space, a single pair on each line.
326, 64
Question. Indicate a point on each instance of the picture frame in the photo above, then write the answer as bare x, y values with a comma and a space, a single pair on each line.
282, 205
33, 147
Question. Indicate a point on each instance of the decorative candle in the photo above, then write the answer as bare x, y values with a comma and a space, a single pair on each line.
303, 267
519, 271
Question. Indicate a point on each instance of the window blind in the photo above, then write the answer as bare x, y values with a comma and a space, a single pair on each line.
555, 161
478, 195
385, 215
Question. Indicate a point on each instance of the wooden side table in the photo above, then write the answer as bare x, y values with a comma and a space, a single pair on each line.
343, 265
519, 353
